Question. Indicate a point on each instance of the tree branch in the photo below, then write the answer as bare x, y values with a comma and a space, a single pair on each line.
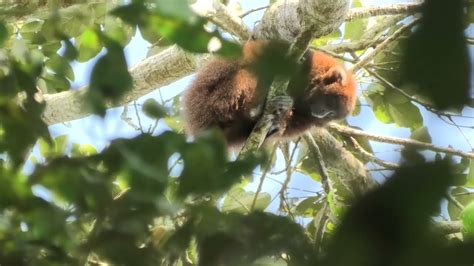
286, 19
363, 12
370, 157
449, 227
409, 8
399, 141
316, 152
155, 71
218, 14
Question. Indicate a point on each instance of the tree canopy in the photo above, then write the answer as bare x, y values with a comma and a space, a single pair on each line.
158, 198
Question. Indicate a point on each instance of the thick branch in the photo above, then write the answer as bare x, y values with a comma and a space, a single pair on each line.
347, 175
451, 227
410, 8
218, 14
363, 12
286, 19
316, 152
156, 71
399, 141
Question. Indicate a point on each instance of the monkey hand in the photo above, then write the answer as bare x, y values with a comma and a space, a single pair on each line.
280, 109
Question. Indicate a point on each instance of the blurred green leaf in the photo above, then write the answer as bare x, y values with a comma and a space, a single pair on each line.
207, 169
463, 196
3, 33
390, 106
439, 67
88, 45
60, 66
389, 223
421, 134
239, 200
110, 78
470, 176
467, 218
309, 206
154, 110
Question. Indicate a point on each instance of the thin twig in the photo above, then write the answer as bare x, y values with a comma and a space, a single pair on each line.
370, 157
399, 141
314, 149
320, 221
454, 201
262, 179
369, 56
128, 120
138, 116
253, 10
289, 173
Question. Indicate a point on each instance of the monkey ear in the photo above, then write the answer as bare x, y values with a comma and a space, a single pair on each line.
335, 74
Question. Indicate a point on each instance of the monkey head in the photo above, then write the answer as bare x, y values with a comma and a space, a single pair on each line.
331, 90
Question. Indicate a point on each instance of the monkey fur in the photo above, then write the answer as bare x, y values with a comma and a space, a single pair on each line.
229, 94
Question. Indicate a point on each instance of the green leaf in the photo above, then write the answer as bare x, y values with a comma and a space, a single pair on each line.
70, 52
75, 19
207, 169
406, 115
391, 106
175, 21
60, 66
50, 48
175, 123
30, 30
55, 149
463, 196
154, 110
3, 33
88, 45
83, 150
239, 200
379, 108
116, 30
54, 83
470, 175
110, 78
309, 206
467, 218
421, 134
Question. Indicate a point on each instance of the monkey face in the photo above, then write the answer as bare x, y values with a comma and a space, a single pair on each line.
330, 96
329, 107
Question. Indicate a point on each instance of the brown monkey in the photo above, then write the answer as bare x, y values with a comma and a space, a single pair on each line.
230, 94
